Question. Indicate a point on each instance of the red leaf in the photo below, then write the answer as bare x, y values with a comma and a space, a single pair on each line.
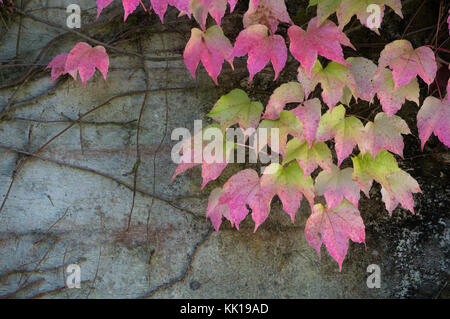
325, 40
85, 59
211, 47
261, 48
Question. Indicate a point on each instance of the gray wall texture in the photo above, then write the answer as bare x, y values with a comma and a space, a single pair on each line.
71, 201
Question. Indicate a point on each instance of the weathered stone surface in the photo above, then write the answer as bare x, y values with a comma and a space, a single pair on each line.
72, 205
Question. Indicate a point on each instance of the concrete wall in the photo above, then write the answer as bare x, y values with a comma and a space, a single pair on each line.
72, 203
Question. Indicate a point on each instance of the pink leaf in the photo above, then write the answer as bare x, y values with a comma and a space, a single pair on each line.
261, 48
336, 185
215, 211
291, 92
399, 190
266, 12
57, 64
384, 133
406, 63
390, 98
210, 47
334, 228
129, 6
192, 155
434, 117
240, 190
363, 71
101, 4
334, 78
290, 184
216, 8
325, 40
85, 59
309, 113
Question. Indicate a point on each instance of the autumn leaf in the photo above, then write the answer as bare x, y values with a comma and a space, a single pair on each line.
397, 185
334, 228
333, 79
215, 211
242, 189
309, 113
128, 6
193, 155
384, 133
406, 62
346, 9
290, 92
399, 190
390, 98
287, 124
309, 158
160, 6
363, 71
346, 131
236, 107
336, 185
261, 48
325, 40
84, 59
290, 184
58, 66
266, 12
434, 117
211, 47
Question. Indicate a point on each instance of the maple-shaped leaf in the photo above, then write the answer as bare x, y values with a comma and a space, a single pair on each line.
261, 48
236, 107
390, 98
333, 79
215, 211
309, 113
384, 133
242, 189
406, 63
309, 158
363, 71
348, 8
325, 8
434, 117
101, 4
336, 185
58, 66
290, 184
366, 169
397, 185
211, 47
333, 228
400, 190
290, 92
266, 12
287, 124
193, 155
346, 131
84, 59
325, 40
128, 6
160, 6
201, 8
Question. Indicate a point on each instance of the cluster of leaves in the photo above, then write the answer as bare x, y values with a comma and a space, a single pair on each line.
303, 130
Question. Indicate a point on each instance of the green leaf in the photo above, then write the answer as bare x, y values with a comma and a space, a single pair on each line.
236, 107
308, 158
